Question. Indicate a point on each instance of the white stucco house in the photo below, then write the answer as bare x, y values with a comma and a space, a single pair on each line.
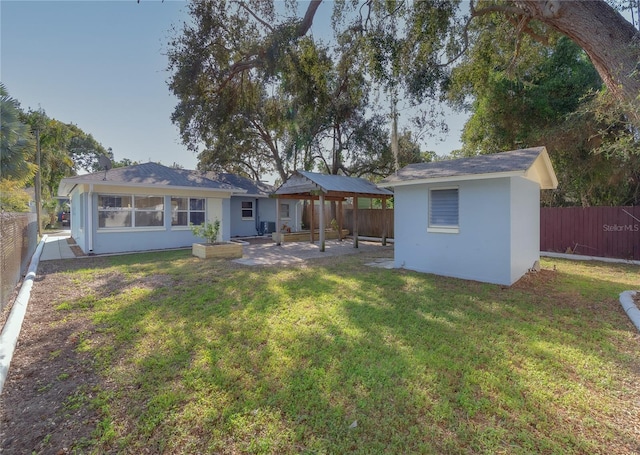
144, 207
474, 218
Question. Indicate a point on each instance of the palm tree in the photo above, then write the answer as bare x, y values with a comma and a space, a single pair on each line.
16, 141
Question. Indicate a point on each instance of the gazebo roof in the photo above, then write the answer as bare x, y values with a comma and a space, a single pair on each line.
305, 185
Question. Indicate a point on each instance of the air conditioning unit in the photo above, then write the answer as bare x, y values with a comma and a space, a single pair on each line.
267, 227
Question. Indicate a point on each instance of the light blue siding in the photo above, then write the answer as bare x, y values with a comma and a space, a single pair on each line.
264, 209
143, 239
497, 237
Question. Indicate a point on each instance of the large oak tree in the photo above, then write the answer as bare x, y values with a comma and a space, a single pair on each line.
232, 61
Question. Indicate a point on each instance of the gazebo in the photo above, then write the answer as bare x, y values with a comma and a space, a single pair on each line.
313, 186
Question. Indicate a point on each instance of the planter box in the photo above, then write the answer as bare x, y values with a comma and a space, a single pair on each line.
305, 236
227, 250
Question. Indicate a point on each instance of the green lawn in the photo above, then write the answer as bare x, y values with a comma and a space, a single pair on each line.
337, 357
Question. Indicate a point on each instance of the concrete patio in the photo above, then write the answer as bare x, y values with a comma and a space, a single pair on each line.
57, 246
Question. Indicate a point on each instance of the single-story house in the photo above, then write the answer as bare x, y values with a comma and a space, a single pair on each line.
475, 218
144, 207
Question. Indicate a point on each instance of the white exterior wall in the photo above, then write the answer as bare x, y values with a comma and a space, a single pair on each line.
78, 220
215, 211
479, 251
525, 226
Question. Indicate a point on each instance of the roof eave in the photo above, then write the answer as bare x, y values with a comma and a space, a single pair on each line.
63, 184
453, 178
541, 171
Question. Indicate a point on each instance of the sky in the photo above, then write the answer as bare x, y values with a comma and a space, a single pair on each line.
102, 66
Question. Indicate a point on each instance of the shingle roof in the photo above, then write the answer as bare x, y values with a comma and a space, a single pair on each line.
146, 175
515, 162
302, 182
253, 187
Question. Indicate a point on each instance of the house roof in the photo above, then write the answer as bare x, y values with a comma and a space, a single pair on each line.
148, 175
531, 163
303, 184
252, 187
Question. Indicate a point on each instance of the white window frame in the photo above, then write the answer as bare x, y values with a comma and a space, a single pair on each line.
188, 211
288, 211
443, 228
132, 211
243, 208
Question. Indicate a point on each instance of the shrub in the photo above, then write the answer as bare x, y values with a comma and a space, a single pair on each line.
207, 231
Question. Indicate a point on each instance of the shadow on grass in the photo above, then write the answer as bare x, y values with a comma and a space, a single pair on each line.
338, 357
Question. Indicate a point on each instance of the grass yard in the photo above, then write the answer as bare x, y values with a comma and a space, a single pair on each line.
336, 357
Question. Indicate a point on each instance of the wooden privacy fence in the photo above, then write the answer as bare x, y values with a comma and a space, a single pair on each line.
18, 241
370, 221
612, 232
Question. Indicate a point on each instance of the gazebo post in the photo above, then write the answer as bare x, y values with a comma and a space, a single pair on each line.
384, 221
278, 227
340, 220
355, 221
313, 208
322, 222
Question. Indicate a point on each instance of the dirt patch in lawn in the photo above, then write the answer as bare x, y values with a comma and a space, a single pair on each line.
45, 401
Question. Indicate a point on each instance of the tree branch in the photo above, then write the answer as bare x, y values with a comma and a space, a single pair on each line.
255, 16
307, 20
498, 9
524, 28
256, 60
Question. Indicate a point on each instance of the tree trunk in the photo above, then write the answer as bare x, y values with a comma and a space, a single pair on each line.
610, 41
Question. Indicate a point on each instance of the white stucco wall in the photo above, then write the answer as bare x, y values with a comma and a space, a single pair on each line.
78, 219
215, 211
525, 226
482, 249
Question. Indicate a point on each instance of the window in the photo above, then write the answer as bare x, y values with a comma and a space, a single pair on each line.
149, 211
443, 210
114, 211
247, 210
127, 211
284, 211
186, 211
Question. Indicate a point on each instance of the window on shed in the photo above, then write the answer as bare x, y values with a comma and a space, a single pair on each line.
247, 210
443, 209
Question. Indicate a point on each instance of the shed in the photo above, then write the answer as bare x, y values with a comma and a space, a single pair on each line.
312, 186
475, 218
144, 207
